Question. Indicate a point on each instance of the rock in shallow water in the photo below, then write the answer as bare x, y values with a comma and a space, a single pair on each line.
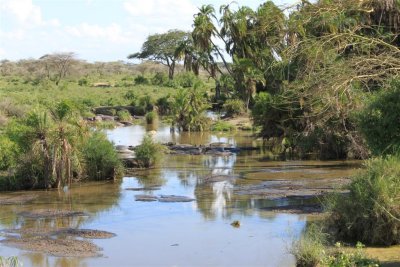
173, 198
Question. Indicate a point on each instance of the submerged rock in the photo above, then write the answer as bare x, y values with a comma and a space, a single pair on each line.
173, 198
146, 198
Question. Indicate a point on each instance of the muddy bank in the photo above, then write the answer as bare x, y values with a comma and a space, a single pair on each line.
55, 247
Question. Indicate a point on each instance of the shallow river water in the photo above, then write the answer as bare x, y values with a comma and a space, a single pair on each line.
197, 233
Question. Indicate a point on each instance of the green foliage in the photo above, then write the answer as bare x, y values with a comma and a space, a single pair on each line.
187, 80
100, 158
146, 102
370, 212
151, 117
141, 80
222, 126
189, 108
131, 95
83, 82
8, 153
160, 79
233, 107
148, 152
343, 258
162, 48
312, 249
379, 121
124, 115
309, 249
164, 105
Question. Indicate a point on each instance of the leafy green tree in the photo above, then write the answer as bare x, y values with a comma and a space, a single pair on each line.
380, 121
189, 109
162, 48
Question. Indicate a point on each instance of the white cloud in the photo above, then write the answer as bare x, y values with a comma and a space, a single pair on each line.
23, 10
112, 32
161, 14
159, 8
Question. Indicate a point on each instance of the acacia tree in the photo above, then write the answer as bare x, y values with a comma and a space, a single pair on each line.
58, 65
162, 48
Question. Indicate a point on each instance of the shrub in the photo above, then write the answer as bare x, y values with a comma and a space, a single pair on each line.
148, 153
370, 212
83, 82
340, 257
164, 105
309, 248
141, 80
187, 79
189, 107
131, 95
379, 121
159, 79
146, 103
124, 115
100, 158
234, 107
151, 117
8, 153
222, 126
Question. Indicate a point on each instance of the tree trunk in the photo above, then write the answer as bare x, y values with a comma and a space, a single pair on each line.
171, 70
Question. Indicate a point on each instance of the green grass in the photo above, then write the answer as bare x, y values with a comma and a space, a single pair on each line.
370, 213
222, 126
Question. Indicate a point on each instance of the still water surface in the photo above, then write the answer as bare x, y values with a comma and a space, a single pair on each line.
197, 233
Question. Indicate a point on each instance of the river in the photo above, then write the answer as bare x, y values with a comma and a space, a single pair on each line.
197, 233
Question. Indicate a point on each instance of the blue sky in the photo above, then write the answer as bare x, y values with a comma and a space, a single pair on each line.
96, 30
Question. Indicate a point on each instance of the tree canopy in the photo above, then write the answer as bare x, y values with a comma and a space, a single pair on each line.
163, 48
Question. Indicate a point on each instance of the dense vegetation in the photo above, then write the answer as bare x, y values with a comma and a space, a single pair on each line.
320, 78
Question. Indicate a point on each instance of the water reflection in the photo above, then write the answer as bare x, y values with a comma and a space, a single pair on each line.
201, 229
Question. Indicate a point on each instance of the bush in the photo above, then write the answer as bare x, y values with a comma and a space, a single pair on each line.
8, 153
312, 249
148, 153
222, 126
187, 79
340, 258
189, 107
309, 248
371, 211
151, 117
146, 103
379, 121
100, 158
164, 105
159, 79
124, 115
131, 95
83, 82
234, 107
141, 80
